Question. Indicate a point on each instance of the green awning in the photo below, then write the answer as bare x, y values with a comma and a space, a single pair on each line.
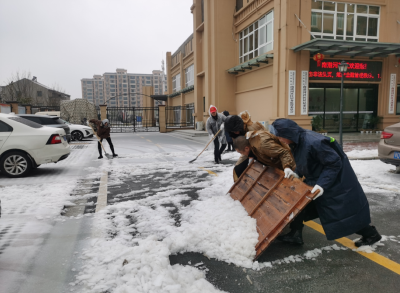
255, 62
184, 90
349, 48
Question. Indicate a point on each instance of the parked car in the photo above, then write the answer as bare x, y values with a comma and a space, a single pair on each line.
46, 120
79, 132
25, 145
389, 146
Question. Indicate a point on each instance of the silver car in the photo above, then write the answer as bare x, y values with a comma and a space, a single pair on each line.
389, 146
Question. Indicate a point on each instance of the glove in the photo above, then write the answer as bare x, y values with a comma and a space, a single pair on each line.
222, 127
321, 191
289, 173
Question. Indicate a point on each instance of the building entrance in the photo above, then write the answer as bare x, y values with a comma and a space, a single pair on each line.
360, 104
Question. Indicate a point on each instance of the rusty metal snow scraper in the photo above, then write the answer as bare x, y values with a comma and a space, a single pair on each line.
271, 199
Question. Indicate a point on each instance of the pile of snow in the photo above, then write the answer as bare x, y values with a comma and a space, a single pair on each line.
143, 267
37, 200
375, 176
144, 233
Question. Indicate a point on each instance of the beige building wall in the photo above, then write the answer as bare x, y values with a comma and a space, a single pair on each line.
263, 90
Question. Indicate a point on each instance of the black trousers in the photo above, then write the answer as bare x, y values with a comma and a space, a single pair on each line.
217, 150
310, 212
109, 142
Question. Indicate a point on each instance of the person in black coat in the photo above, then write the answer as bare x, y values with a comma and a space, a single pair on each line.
228, 137
341, 203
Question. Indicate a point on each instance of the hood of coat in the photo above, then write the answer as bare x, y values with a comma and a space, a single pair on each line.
246, 117
288, 129
234, 123
209, 110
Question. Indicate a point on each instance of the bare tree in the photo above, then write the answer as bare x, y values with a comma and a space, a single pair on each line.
19, 88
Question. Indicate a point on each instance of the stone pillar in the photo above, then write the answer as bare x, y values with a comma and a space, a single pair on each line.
162, 119
14, 106
148, 119
103, 112
28, 109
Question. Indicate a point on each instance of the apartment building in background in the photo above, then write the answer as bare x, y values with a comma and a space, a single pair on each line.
122, 89
279, 59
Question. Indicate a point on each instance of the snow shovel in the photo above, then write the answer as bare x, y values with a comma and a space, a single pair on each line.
106, 154
205, 147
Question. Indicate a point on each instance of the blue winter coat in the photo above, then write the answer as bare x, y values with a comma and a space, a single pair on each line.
343, 208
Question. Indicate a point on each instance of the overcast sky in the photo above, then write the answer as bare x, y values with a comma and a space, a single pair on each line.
62, 41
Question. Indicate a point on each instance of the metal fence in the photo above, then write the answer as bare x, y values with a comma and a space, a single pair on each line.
180, 117
133, 119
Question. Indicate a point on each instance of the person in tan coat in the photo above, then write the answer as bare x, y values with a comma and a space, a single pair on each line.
103, 132
266, 149
262, 145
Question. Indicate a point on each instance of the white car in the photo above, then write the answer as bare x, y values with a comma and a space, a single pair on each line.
25, 145
79, 132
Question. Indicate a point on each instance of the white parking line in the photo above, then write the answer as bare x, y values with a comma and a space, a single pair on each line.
102, 195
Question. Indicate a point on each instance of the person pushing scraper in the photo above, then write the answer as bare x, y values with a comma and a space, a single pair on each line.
260, 145
341, 203
103, 132
215, 123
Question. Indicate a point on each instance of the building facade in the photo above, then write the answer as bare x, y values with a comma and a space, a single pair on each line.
30, 91
279, 59
122, 89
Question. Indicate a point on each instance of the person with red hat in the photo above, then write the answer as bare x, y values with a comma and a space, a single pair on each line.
214, 123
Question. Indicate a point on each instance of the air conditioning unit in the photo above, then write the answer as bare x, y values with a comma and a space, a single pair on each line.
200, 125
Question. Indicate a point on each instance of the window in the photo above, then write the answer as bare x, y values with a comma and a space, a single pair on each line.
4, 127
39, 93
148, 82
344, 21
189, 75
257, 39
26, 122
176, 83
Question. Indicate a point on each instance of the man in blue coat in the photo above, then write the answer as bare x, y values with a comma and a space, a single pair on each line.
341, 203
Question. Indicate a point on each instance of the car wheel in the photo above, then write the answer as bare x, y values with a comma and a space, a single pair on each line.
77, 135
15, 164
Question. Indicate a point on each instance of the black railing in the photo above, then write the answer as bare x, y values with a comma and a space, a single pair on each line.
179, 117
133, 119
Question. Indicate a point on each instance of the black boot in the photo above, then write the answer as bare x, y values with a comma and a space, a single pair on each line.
369, 237
294, 237
115, 155
100, 157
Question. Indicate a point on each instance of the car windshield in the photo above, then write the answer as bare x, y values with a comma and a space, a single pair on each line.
26, 122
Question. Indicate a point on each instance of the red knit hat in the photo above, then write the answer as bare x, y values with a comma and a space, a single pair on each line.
213, 109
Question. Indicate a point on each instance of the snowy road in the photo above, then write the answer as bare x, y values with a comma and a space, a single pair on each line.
168, 226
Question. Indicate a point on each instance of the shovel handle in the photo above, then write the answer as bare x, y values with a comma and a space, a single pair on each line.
209, 142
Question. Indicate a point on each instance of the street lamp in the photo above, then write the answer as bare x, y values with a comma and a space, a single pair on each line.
342, 69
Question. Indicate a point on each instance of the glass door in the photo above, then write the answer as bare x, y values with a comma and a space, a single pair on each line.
360, 104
